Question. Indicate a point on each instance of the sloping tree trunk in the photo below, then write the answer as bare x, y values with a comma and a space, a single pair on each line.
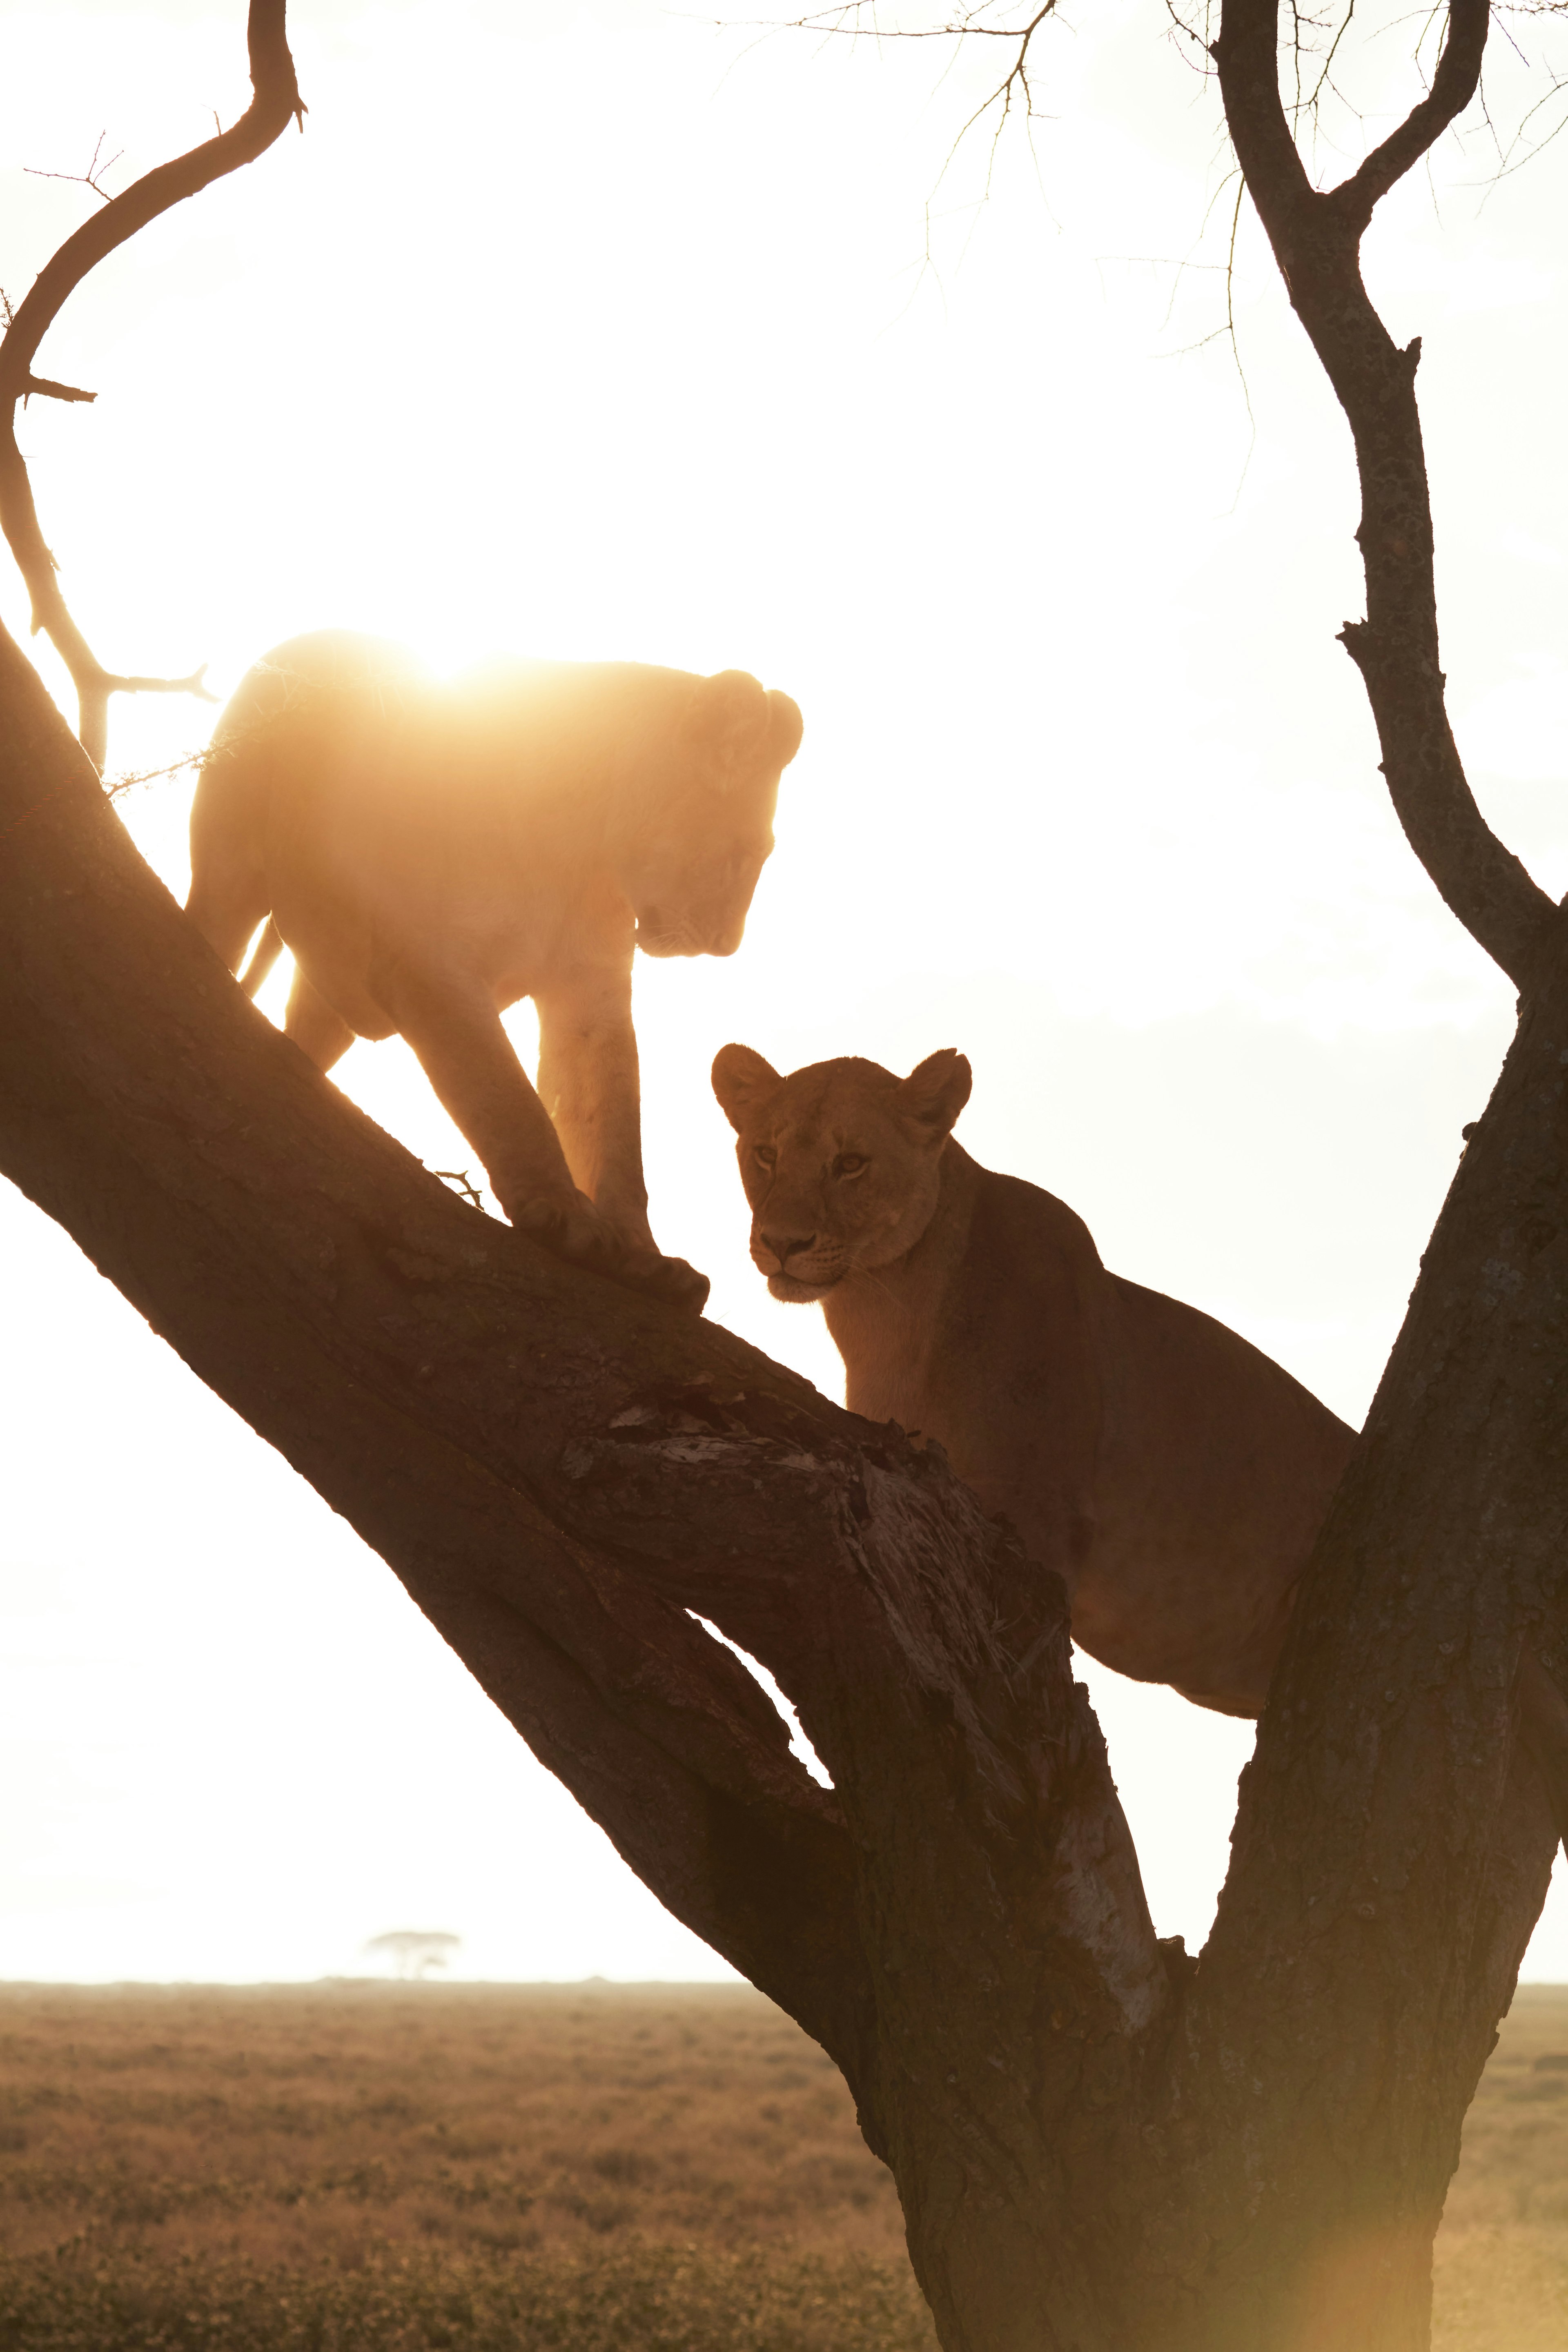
1100, 2145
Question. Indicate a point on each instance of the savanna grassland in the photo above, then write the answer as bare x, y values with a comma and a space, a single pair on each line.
329, 2168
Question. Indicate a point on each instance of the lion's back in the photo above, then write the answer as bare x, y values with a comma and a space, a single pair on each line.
1175, 1473
283, 726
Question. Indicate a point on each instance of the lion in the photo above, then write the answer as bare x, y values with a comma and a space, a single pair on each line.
1172, 1474
432, 853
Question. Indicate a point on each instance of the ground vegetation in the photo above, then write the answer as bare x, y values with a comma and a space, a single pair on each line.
581, 2166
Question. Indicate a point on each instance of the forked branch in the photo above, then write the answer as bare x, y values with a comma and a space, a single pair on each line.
1316, 238
1454, 84
847, 22
91, 178
276, 103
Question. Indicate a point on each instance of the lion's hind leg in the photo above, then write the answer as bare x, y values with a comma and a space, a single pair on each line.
228, 907
230, 896
313, 1026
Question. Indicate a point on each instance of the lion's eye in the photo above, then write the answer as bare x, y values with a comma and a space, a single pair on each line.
850, 1163
765, 1156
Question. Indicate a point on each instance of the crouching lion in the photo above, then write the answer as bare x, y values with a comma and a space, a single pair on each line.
433, 853
1172, 1474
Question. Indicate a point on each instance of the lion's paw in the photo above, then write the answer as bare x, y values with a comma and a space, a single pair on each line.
571, 1227
670, 1279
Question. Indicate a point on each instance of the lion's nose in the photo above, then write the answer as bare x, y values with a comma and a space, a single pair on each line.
784, 1246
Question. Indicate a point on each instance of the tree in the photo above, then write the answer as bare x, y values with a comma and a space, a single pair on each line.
1097, 2141
415, 1951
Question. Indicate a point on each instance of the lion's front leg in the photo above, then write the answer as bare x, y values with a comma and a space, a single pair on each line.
588, 1079
451, 1021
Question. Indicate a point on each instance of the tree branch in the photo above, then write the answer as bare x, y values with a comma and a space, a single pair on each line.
276, 101
1315, 241
1454, 84
47, 389
88, 179
195, 684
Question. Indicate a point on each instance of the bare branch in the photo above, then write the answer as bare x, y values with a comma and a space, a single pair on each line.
195, 684
88, 179
1008, 93
462, 1181
1453, 86
830, 21
114, 786
277, 102
1316, 240
47, 389
1323, 81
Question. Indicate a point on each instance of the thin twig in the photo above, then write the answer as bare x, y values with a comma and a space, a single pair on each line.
461, 1182
88, 179
113, 786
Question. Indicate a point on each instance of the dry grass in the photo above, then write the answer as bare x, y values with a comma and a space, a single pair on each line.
382, 2168
1502, 2252
376, 2168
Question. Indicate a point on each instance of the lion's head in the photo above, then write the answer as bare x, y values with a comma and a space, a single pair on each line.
693, 862
839, 1161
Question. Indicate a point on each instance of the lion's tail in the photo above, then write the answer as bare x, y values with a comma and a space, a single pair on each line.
268, 948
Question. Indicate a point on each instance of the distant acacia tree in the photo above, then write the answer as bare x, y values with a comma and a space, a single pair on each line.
415, 1951
1100, 2143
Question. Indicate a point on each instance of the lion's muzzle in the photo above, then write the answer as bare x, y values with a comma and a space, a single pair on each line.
793, 1264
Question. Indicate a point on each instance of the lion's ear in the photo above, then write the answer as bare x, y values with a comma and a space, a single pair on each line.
727, 725
937, 1091
786, 729
742, 1079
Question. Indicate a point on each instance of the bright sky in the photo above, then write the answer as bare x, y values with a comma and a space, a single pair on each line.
588, 330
